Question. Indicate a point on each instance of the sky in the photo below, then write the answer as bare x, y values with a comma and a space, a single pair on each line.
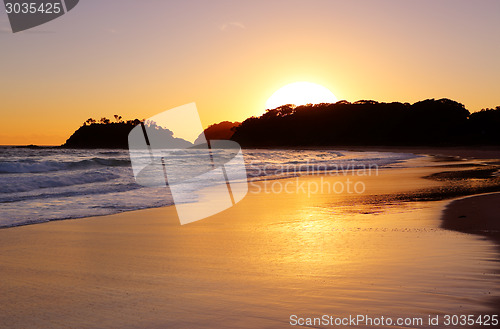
136, 58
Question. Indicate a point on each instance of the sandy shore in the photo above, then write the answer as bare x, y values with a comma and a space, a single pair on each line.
471, 152
479, 214
273, 255
474, 152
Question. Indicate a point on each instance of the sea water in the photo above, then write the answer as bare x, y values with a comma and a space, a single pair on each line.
43, 184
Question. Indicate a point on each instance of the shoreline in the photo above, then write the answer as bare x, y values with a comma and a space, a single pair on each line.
474, 214
484, 152
464, 152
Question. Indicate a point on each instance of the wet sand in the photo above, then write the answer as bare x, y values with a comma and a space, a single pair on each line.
479, 214
271, 256
471, 152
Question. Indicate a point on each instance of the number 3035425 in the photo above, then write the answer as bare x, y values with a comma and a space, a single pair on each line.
33, 8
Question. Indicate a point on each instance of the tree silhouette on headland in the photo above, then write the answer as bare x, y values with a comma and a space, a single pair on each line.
222, 131
102, 133
107, 134
431, 122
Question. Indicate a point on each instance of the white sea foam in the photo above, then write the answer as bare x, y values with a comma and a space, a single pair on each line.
39, 185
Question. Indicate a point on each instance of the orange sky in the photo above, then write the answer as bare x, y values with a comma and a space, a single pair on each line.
137, 58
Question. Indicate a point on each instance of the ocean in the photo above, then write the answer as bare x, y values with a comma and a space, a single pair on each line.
45, 184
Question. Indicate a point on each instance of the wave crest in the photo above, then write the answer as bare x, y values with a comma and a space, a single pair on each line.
21, 167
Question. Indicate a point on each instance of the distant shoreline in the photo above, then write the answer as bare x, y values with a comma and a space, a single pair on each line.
486, 152
31, 146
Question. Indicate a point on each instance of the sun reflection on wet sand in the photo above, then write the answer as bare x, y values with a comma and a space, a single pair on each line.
254, 265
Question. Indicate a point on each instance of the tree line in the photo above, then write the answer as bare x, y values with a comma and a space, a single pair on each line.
106, 121
431, 122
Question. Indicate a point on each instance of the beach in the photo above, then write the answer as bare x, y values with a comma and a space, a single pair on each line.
274, 257
250, 164
477, 214
476, 152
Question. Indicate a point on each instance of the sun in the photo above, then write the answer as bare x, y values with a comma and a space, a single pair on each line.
300, 93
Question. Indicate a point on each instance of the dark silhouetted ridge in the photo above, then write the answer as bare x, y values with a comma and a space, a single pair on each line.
219, 131
431, 122
100, 135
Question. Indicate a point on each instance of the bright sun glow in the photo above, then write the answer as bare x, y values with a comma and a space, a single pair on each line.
300, 93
